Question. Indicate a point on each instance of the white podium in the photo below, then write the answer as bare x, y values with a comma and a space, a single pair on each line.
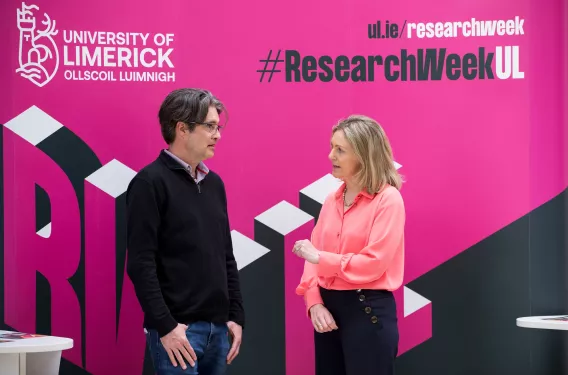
27, 354
558, 322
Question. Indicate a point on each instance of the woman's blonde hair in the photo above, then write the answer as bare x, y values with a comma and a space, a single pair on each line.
373, 150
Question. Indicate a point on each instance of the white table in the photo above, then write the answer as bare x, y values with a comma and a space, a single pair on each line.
31, 355
543, 322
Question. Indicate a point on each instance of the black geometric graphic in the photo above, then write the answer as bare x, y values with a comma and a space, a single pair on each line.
478, 295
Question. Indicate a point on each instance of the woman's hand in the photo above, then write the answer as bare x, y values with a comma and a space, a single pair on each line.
322, 319
305, 249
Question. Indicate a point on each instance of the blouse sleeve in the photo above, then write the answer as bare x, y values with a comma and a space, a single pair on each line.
309, 287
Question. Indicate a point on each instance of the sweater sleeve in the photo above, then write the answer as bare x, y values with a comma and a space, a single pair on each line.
236, 309
143, 220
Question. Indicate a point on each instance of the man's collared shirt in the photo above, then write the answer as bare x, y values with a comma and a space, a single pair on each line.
202, 169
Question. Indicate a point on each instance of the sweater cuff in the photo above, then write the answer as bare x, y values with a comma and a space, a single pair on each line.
312, 297
166, 325
237, 317
329, 264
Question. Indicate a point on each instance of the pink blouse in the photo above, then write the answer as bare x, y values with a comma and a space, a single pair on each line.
361, 248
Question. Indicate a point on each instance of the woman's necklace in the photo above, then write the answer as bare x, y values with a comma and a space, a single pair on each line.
344, 201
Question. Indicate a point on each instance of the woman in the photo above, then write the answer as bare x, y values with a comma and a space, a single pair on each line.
356, 256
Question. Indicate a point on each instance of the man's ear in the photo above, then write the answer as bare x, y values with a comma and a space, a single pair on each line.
180, 126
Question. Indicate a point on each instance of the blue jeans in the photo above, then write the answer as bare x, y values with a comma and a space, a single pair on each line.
209, 341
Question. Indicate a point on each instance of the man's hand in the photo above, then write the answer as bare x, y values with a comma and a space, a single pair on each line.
178, 347
322, 319
236, 332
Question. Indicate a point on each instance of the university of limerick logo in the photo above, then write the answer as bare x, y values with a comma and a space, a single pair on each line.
39, 57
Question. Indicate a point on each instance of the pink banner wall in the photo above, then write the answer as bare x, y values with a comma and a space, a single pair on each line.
481, 145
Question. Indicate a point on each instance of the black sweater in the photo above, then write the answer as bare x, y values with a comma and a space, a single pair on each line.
180, 255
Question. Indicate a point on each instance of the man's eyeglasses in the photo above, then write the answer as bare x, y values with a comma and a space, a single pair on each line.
211, 128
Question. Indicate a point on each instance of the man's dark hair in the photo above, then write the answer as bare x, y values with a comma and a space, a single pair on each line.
185, 105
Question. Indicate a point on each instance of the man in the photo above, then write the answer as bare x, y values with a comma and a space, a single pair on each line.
180, 255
